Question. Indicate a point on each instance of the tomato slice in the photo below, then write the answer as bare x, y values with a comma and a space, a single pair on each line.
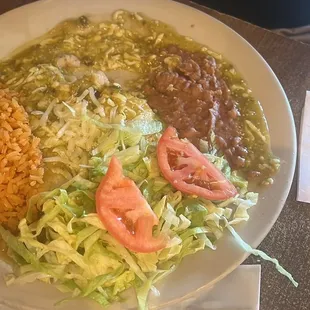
125, 213
189, 171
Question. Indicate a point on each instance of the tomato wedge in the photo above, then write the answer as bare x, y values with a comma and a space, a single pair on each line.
125, 213
189, 171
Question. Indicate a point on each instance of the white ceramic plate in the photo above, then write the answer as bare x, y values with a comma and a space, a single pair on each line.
206, 267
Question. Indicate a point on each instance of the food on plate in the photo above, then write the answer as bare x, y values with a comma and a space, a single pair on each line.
204, 99
125, 212
189, 171
21, 171
148, 142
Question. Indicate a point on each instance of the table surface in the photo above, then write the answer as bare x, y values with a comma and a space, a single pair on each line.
289, 239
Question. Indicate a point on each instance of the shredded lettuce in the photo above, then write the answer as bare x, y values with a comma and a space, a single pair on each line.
63, 241
194, 210
79, 256
143, 292
92, 262
146, 127
246, 247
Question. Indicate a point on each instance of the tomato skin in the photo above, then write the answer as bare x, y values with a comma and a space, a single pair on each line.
125, 213
195, 167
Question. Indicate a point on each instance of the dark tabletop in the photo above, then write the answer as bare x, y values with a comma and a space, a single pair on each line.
289, 239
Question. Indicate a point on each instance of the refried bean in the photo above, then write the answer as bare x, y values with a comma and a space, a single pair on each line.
192, 96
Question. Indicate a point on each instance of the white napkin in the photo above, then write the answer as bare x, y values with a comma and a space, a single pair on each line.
303, 192
238, 291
